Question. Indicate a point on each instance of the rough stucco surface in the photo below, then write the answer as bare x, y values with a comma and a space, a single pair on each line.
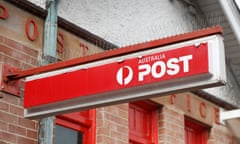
125, 22
229, 92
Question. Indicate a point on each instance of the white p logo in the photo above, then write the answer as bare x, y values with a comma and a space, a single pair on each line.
124, 75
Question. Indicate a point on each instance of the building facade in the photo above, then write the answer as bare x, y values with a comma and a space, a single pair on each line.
182, 118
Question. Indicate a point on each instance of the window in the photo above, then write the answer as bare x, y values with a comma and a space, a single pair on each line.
78, 127
143, 123
195, 133
68, 136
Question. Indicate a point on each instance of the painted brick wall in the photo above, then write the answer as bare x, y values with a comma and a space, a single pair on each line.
112, 124
14, 129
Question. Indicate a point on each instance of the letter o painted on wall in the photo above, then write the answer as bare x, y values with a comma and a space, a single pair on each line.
5, 12
31, 29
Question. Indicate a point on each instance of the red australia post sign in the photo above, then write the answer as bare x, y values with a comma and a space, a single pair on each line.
154, 72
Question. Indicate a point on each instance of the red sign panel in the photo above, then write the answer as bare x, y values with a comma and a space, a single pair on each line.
158, 67
153, 72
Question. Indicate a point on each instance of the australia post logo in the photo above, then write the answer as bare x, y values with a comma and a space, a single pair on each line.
124, 75
153, 68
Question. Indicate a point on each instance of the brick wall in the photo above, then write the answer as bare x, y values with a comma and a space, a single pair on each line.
220, 135
14, 129
171, 126
16, 54
112, 124
171, 129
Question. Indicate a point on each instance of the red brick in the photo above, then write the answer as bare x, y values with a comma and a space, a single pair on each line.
122, 129
9, 51
17, 130
8, 117
123, 107
10, 43
103, 131
3, 126
100, 123
25, 66
1, 56
10, 99
2, 142
2, 39
32, 134
16, 110
30, 51
4, 106
116, 118
123, 114
211, 142
220, 135
34, 61
11, 61
171, 126
23, 140
112, 127
18, 46
7, 137
26, 123
28, 59
16, 54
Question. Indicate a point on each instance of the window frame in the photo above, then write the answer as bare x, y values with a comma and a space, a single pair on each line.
201, 129
152, 109
84, 124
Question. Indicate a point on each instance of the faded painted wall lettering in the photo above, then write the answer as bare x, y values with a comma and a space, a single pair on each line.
31, 29
3, 12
